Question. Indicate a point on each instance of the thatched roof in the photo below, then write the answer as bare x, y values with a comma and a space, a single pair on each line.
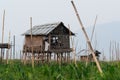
44, 29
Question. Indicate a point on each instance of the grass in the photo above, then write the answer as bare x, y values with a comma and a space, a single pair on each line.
17, 71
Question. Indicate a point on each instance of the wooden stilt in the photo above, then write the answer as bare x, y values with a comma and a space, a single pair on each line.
61, 58
43, 57
21, 56
57, 57
7, 56
25, 56
47, 57
11, 52
65, 57
50, 56
54, 57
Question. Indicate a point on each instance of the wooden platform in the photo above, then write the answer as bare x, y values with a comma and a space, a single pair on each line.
49, 51
5, 45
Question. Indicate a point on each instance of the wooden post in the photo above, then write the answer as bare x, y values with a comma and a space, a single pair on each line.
87, 39
3, 33
7, 54
118, 52
25, 55
21, 56
110, 51
49, 41
32, 43
116, 49
47, 57
14, 47
61, 57
11, 52
73, 48
65, 58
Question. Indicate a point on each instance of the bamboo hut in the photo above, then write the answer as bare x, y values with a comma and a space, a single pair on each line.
48, 40
90, 57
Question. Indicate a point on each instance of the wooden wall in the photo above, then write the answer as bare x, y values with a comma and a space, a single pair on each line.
36, 40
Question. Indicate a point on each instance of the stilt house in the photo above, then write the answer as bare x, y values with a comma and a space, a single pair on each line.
48, 38
90, 57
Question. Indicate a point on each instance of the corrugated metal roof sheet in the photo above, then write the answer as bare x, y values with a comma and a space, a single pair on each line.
42, 29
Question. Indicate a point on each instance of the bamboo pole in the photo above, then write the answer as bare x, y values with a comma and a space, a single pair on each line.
93, 28
110, 51
32, 43
14, 47
91, 39
118, 51
87, 39
73, 49
11, 52
3, 32
103, 55
7, 55
117, 54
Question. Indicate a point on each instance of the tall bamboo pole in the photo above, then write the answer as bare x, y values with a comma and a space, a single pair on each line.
87, 39
8, 51
91, 40
110, 51
32, 43
14, 47
93, 28
3, 32
118, 51
11, 52
73, 48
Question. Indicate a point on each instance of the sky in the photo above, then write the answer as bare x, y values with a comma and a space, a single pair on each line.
18, 13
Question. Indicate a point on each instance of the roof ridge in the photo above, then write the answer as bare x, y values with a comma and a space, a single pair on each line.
54, 23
